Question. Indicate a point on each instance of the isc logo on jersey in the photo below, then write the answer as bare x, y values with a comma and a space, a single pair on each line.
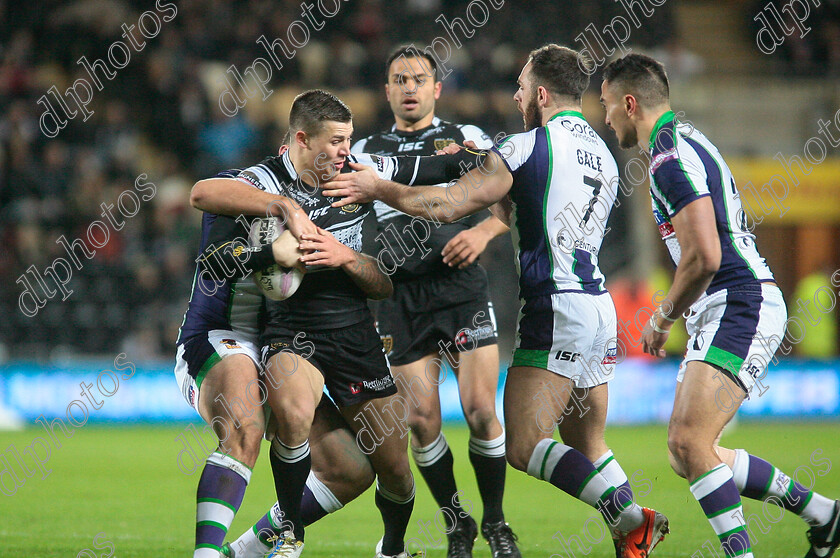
410, 146
315, 213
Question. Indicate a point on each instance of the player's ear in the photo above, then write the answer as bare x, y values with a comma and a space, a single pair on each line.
630, 105
301, 139
387, 92
438, 88
542, 96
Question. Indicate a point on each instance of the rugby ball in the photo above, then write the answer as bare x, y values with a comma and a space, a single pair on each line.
275, 282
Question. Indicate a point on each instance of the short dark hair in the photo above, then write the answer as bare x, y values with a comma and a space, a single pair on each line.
641, 76
409, 51
560, 70
312, 108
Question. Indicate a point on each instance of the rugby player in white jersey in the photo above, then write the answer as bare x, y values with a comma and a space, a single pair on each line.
566, 346
736, 313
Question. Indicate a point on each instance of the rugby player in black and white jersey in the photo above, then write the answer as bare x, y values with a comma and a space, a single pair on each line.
324, 333
441, 306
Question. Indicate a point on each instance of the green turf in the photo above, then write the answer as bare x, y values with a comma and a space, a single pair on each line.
124, 482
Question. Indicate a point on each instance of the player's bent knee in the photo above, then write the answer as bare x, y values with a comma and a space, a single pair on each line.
294, 418
676, 466
518, 456
425, 426
681, 446
480, 415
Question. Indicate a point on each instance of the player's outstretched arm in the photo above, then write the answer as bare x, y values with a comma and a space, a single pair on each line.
476, 190
227, 196
696, 230
323, 248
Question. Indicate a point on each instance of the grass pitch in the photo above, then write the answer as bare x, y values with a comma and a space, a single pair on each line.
121, 487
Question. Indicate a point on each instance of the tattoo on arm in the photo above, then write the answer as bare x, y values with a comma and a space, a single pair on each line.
365, 272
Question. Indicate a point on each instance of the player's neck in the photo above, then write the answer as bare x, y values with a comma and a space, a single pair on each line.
550, 112
406, 126
296, 156
647, 123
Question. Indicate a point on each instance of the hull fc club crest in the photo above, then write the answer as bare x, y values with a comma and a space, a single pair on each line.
441, 143
387, 343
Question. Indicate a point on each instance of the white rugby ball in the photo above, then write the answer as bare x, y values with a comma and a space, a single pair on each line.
275, 282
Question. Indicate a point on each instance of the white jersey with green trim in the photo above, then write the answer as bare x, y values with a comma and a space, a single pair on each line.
685, 166
565, 182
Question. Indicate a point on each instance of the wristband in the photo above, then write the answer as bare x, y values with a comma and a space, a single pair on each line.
666, 318
655, 327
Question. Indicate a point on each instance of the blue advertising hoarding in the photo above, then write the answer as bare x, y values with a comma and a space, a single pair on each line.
642, 392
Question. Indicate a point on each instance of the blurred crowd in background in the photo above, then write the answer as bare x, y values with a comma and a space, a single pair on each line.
160, 117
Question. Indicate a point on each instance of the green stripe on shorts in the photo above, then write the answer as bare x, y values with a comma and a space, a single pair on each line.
724, 359
205, 368
530, 357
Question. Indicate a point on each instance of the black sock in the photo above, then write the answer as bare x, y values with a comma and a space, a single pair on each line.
396, 511
290, 467
435, 462
488, 461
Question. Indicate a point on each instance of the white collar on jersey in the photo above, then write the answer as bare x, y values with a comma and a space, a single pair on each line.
435, 122
289, 166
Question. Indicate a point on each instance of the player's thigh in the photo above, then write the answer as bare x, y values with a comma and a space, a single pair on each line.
534, 400
219, 368
583, 427
232, 387
337, 460
705, 402
294, 387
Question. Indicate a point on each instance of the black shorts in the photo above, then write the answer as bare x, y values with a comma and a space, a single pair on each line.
351, 359
454, 308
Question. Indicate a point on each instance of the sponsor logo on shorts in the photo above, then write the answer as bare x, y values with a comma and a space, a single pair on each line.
611, 357
374, 385
441, 143
278, 346
470, 336
753, 370
191, 395
387, 343
666, 230
231, 344
568, 356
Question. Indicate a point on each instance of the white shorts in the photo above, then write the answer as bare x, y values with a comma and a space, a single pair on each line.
738, 330
197, 355
572, 334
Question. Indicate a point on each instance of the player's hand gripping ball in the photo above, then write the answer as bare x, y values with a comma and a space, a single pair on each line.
276, 282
